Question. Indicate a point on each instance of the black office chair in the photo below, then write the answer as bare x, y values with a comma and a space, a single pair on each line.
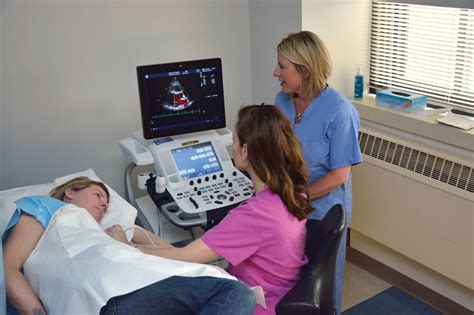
313, 293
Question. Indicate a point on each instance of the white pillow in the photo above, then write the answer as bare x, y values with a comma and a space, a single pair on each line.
119, 211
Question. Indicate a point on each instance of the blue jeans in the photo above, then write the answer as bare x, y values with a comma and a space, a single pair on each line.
186, 295
339, 275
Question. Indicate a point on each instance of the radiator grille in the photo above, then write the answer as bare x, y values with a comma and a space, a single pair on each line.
423, 163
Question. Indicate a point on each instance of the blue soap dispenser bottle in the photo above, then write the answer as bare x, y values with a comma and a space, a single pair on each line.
358, 85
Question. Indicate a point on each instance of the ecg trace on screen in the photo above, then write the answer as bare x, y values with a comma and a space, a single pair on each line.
180, 113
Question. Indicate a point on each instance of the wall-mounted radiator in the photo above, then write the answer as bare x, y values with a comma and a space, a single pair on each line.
417, 198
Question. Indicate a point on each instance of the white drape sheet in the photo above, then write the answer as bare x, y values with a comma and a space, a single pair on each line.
76, 268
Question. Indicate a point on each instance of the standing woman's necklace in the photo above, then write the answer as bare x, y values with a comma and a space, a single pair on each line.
299, 114
298, 117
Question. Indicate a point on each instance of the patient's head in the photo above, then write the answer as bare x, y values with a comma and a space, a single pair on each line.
85, 193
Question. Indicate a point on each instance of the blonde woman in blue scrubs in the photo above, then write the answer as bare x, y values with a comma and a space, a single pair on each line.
326, 123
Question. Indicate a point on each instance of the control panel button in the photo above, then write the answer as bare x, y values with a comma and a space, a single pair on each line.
221, 197
194, 202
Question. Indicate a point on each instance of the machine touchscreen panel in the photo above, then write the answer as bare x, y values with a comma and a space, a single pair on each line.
196, 160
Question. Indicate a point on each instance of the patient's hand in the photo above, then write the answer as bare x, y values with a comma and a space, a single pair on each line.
116, 231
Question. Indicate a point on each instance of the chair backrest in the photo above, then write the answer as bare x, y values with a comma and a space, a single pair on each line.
313, 293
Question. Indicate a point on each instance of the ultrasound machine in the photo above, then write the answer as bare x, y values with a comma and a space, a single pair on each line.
194, 182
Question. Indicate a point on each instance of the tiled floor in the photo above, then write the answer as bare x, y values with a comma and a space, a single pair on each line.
359, 285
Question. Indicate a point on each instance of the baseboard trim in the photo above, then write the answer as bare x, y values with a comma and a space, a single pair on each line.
395, 278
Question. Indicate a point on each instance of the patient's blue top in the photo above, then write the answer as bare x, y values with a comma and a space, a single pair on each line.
42, 208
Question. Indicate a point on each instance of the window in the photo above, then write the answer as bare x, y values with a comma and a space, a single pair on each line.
424, 49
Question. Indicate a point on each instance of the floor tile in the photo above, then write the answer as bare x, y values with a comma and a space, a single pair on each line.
360, 285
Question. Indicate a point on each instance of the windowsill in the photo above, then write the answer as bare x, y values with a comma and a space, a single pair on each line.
424, 126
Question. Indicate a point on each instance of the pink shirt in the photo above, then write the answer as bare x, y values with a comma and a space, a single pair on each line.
264, 243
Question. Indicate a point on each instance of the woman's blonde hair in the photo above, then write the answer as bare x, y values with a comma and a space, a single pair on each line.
308, 52
76, 184
275, 155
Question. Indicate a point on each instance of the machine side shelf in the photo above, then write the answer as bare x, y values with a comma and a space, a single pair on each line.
135, 152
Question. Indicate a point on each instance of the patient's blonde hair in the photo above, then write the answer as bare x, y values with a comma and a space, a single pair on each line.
76, 184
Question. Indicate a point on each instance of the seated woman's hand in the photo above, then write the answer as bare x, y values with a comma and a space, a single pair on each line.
116, 232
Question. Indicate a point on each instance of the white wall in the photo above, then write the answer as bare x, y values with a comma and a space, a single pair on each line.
344, 26
270, 21
69, 80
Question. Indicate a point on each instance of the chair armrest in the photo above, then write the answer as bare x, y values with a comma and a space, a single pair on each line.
302, 299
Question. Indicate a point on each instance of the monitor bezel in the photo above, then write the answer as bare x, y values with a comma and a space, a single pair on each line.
169, 67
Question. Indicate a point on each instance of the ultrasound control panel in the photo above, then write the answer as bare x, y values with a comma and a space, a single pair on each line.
207, 193
211, 191
200, 176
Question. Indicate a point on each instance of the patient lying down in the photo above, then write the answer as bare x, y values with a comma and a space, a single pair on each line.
71, 266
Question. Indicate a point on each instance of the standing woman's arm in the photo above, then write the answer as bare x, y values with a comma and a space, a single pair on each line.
328, 182
20, 244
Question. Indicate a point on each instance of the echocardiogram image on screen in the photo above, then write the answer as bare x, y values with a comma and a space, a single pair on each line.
182, 97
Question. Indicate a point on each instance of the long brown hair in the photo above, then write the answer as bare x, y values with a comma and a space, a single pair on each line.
275, 155
76, 184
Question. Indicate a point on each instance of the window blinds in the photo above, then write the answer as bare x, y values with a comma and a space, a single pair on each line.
424, 49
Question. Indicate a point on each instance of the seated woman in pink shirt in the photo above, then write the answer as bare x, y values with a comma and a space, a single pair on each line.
263, 239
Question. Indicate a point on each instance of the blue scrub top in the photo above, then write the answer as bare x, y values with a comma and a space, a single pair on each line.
328, 133
42, 208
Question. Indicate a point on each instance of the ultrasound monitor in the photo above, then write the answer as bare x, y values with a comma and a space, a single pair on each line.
181, 97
